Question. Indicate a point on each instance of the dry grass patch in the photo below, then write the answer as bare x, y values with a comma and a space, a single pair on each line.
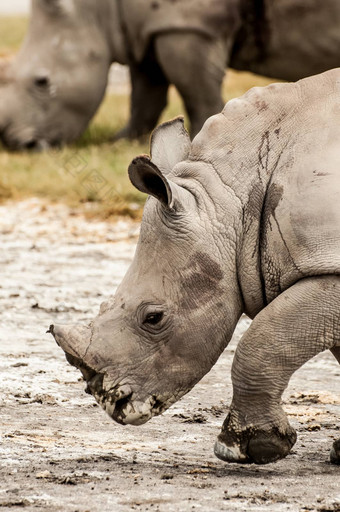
12, 32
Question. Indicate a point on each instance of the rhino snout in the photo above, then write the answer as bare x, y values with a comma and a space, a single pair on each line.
35, 145
31, 143
113, 397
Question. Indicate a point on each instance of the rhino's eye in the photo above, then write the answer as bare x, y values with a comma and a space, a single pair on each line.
42, 82
153, 318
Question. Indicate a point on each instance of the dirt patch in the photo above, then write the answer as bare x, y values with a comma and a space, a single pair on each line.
59, 452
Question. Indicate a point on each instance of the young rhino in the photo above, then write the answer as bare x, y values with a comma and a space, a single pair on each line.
245, 219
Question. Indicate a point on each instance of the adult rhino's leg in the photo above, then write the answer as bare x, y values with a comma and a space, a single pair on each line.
335, 452
196, 66
149, 88
297, 325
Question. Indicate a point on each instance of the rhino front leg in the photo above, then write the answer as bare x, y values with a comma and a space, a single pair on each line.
196, 66
297, 325
149, 88
335, 452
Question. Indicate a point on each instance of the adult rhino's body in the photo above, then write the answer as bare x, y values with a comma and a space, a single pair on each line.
58, 79
245, 218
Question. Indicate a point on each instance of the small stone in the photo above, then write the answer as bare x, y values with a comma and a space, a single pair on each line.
167, 476
43, 474
314, 426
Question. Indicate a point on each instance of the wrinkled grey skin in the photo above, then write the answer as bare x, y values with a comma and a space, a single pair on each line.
245, 219
53, 88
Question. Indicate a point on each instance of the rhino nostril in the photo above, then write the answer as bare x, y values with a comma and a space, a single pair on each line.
31, 144
89, 374
121, 402
94, 381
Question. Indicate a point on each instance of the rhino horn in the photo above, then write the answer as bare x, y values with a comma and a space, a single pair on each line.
73, 339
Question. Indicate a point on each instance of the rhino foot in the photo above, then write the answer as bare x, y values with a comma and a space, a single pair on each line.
335, 452
253, 445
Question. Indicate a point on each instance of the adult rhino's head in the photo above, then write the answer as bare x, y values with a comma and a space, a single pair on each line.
178, 304
52, 88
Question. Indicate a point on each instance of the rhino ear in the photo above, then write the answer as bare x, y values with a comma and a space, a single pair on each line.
146, 177
170, 144
59, 6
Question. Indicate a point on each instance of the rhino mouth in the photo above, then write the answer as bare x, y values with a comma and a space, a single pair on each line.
123, 404
117, 400
114, 400
120, 401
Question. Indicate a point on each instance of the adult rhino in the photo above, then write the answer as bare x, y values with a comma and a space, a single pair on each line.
58, 79
245, 219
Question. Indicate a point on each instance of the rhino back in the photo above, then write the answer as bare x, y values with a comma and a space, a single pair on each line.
298, 38
146, 18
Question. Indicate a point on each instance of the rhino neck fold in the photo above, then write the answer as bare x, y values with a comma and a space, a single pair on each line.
238, 179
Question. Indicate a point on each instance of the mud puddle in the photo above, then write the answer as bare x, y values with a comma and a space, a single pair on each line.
58, 450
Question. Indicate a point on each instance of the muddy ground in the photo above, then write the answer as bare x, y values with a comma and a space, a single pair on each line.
59, 452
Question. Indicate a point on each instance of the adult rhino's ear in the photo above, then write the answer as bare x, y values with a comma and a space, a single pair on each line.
147, 178
170, 144
58, 6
